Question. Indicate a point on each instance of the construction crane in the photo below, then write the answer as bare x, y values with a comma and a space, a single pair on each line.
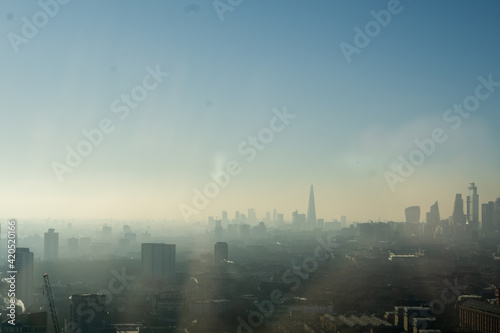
48, 292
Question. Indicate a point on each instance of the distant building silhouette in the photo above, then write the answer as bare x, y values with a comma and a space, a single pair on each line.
311, 210
473, 207
51, 245
412, 214
84, 246
343, 221
106, 232
458, 216
280, 219
158, 260
24, 278
245, 231
488, 217
73, 247
252, 216
298, 220
220, 252
218, 230
433, 217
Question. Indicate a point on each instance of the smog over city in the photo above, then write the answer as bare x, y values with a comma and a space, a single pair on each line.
249, 166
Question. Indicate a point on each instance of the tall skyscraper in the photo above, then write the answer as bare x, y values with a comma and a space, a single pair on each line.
24, 278
496, 215
252, 216
433, 217
473, 207
220, 252
311, 210
87, 313
488, 217
412, 214
343, 221
51, 245
280, 219
458, 216
158, 260
73, 247
224, 217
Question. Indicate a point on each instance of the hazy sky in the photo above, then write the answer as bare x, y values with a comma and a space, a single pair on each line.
353, 120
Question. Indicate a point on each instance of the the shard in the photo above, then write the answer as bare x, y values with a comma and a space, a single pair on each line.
311, 210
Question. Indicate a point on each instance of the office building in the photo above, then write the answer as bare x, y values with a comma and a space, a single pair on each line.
106, 232
24, 278
477, 316
158, 260
458, 216
298, 220
224, 217
433, 217
51, 245
220, 252
73, 247
412, 214
487, 217
473, 207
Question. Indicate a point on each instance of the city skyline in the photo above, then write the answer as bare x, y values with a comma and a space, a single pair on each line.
278, 94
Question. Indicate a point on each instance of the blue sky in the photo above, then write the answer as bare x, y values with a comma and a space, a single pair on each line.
352, 121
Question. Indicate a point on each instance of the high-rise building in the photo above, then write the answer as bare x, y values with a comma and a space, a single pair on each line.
252, 216
87, 313
73, 247
106, 232
473, 207
224, 217
51, 245
274, 216
84, 246
412, 214
280, 219
158, 260
219, 230
458, 216
496, 215
220, 252
488, 214
245, 231
433, 217
24, 277
298, 220
311, 210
